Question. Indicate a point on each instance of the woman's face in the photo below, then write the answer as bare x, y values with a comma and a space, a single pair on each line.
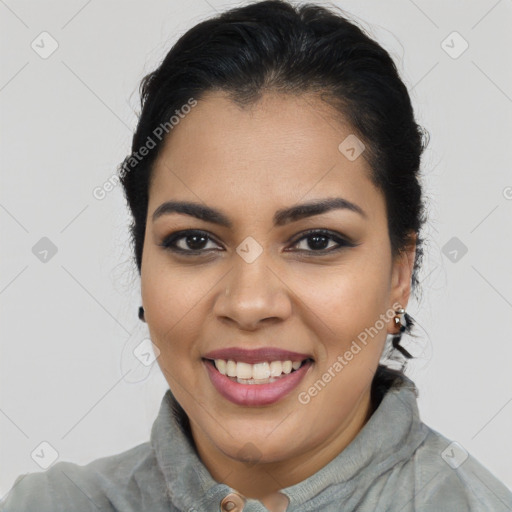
258, 281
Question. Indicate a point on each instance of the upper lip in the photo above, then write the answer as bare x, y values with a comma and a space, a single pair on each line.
257, 355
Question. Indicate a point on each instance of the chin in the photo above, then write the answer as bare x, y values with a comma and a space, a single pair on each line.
257, 449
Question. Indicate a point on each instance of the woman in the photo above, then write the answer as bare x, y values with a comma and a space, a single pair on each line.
277, 210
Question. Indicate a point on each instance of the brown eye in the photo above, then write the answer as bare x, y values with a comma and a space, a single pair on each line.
191, 241
318, 240
195, 242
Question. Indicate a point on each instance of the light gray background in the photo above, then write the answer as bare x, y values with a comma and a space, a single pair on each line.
68, 375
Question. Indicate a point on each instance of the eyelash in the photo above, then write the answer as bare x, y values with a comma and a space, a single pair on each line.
169, 242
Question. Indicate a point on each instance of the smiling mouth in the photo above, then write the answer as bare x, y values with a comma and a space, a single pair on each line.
264, 372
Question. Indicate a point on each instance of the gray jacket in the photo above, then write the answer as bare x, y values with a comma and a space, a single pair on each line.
396, 463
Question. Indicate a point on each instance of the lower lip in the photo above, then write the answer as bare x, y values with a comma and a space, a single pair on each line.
255, 394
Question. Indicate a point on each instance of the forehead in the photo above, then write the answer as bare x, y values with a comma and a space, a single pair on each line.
279, 150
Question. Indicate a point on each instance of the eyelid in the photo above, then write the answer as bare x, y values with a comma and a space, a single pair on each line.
183, 233
333, 235
341, 240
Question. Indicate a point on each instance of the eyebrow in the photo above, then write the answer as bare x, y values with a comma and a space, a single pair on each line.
281, 217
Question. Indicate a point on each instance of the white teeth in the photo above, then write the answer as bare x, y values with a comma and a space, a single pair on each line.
260, 371
244, 370
256, 381
276, 368
256, 373
230, 368
221, 366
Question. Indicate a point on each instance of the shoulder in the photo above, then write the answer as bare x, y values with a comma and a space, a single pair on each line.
124, 481
447, 477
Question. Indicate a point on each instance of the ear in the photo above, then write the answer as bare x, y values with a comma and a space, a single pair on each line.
401, 273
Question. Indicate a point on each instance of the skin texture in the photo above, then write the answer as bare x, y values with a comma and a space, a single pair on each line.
249, 163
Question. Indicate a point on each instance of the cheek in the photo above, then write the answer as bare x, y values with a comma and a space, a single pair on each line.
168, 288
350, 303
347, 298
172, 300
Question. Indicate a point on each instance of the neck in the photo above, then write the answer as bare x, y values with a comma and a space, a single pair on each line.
262, 480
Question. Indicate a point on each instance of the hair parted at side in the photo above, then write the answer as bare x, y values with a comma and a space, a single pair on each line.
273, 46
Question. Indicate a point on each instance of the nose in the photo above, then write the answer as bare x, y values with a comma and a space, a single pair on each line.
253, 293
